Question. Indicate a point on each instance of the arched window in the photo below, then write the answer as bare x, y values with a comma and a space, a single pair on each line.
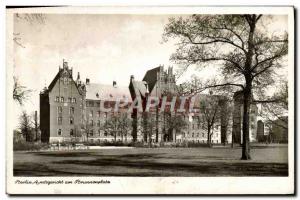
72, 110
59, 120
62, 99
59, 109
71, 132
71, 120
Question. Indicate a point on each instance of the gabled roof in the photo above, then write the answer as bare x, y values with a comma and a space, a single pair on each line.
96, 91
140, 88
52, 84
151, 77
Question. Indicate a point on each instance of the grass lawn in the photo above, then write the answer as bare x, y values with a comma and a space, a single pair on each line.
266, 161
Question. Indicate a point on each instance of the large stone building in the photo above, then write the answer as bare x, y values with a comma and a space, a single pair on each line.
73, 110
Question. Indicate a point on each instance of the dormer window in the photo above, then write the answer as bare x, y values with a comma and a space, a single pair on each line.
97, 95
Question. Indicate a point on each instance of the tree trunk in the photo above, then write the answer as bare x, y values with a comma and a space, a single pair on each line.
248, 89
208, 136
246, 142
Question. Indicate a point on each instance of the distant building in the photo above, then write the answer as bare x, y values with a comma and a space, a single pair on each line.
70, 110
238, 119
279, 130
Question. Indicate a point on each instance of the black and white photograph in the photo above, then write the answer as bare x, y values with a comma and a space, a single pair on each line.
178, 100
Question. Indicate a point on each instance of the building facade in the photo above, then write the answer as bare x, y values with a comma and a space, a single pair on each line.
76, 110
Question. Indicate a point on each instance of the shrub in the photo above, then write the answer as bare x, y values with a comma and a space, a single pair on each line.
29, 146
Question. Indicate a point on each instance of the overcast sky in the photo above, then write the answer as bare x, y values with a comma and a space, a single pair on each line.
101, 47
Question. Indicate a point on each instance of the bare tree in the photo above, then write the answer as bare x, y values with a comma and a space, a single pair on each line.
245, 51
26, 126
148, 127
32, 19
175, 123
20, 93
210, 110
275, 109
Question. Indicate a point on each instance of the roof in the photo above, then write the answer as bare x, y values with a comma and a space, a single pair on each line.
96, 91
53, 82
151, 77
140, 88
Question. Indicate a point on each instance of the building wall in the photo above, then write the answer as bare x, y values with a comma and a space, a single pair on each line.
44, 117
65, 88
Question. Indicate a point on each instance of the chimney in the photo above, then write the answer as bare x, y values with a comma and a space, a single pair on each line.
87, 81
114, 83
65, 64
131, 78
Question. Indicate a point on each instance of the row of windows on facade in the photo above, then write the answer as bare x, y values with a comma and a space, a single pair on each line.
62, 99
71, 121
198, 135
71, 110
91, 133
65, 80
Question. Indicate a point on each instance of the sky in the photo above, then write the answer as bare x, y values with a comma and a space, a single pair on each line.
103, 48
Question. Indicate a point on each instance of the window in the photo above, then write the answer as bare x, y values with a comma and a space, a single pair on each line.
56, 99
99, 132
71, 132
98, 104
72, 110
69, 99
71, 120
98, 123
91, 122
66, 81
192, 134
62, 99
91, 103
105, 134
59, 120
91, 113
91, 133
98, 113
59, 109
73, 100
202, 134
59, 132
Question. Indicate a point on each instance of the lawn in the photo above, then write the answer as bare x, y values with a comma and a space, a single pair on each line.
266, 161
